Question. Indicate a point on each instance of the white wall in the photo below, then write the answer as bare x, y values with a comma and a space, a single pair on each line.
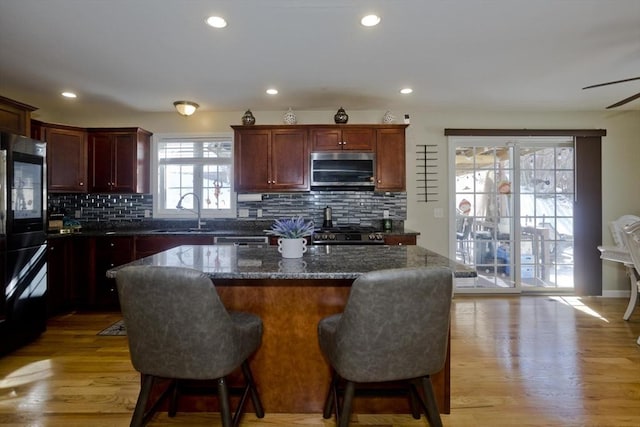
620, 154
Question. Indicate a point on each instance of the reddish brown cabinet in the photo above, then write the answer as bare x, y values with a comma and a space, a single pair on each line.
390, 159
341, 138
66, 156
119, 160
400, 239
271, 158
107, 252
276, 158
61, 281
15, 117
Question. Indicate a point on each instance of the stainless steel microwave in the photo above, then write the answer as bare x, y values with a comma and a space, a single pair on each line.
343, 170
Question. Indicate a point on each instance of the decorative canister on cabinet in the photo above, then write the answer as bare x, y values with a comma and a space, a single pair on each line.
341, 116
290, 118
248, 118
388, 118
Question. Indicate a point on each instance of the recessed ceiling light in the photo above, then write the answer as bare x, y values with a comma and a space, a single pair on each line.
272, 91
406, 90
370, 20
216, 22
69, 95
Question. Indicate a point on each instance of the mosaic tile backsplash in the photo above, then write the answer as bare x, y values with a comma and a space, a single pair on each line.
349, 207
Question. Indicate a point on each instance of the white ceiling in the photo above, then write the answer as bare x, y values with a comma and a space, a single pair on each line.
141, 55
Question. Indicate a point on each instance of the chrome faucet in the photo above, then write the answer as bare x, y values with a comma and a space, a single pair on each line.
198, 212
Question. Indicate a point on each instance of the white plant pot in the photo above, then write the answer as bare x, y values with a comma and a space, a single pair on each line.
292, 248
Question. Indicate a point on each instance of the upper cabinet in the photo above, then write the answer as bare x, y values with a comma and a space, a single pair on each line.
15, 117
119, 160
276, 158
390, 159
342, 137
271, 158
66, 156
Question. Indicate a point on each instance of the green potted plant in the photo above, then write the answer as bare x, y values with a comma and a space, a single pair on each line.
291, 232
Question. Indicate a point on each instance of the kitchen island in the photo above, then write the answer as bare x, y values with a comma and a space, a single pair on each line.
291, 296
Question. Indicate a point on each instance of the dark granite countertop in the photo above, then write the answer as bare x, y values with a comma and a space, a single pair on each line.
319, 262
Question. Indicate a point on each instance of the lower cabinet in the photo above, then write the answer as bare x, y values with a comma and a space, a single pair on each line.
400, 239
77, 267
61, 295
106, 253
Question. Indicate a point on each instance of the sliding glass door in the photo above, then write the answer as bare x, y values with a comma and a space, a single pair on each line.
514, 218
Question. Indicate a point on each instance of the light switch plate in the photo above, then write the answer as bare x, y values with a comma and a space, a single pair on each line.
243, 213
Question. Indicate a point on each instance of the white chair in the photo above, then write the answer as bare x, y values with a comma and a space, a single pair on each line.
631, 234
620, 253
617, 226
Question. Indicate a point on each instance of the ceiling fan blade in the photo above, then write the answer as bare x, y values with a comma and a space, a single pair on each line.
624, 101
612, 83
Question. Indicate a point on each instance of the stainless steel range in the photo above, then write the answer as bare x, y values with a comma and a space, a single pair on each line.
348, 235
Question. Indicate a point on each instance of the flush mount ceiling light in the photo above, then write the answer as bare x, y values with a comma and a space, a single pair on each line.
69, 95
272, 91
406, 90
216, 22
186, 108
370, 20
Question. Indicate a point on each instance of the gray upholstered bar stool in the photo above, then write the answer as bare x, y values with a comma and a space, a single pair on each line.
179, 329
394, 327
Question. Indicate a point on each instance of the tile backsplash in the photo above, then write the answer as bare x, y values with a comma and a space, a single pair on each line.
101, 207
349, 207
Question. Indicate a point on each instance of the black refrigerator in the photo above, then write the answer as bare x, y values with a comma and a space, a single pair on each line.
23, 265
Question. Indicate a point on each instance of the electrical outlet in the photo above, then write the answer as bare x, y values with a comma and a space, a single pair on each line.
243, 213
438, 213
147, 213
78, 214
385, 213
259, 213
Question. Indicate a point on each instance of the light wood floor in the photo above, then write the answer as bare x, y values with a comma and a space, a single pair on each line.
516, 361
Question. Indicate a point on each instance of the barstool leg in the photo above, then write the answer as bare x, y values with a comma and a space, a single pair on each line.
223, 397
345, 414
138, 417
255, 398
431, 407
331, 398
414, 400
